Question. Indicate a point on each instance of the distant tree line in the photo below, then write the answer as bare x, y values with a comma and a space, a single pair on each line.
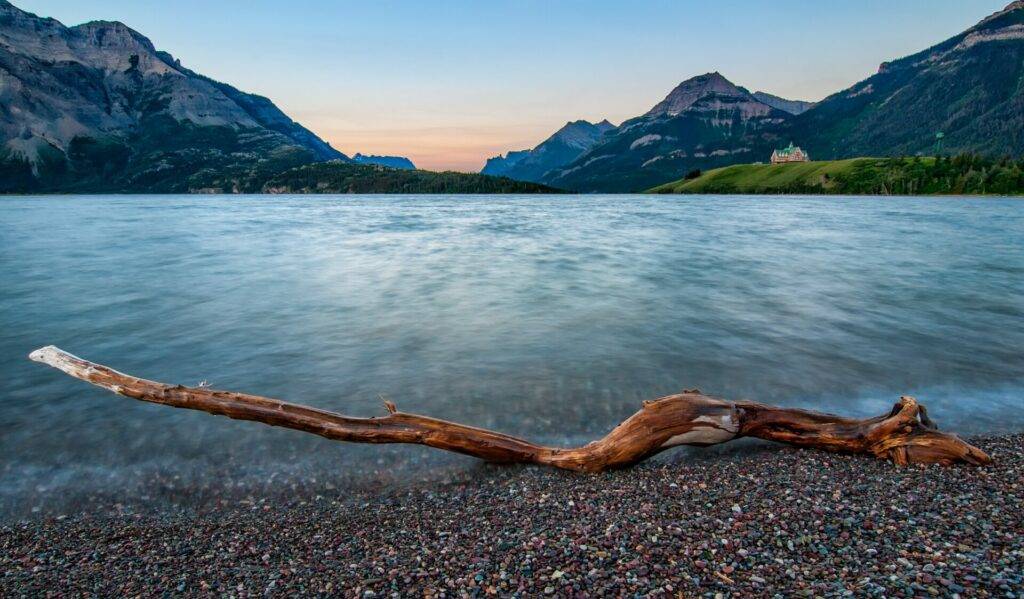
968, 174
963, 174
339, 177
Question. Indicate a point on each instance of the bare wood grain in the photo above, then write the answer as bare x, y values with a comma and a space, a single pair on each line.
906, 435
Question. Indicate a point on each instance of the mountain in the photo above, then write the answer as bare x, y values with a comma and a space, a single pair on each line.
706, 121
790, 106
970, 88
339, 176
399, 162
502, 164
96, 107
567, 144
690, 92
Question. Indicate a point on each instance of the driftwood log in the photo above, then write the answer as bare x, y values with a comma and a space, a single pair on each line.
906, 435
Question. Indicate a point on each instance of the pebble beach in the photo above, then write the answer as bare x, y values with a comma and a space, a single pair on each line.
769, 521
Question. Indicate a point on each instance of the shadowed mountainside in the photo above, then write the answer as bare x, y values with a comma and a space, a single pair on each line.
968, 88
706, 120
96, 107
564, 146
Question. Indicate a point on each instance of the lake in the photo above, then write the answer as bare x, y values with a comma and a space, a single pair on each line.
547, 316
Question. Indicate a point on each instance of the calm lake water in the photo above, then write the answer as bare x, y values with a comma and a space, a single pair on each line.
552, 317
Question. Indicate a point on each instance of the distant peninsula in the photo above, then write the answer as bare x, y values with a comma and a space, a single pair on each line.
965, 174
345, 177
399, 162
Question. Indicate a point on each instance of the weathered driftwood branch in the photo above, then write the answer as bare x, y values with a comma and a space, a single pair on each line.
905, 435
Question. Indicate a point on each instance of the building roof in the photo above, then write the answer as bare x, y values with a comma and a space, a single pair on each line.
787, 151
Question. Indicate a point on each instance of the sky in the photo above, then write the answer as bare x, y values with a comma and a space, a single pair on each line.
451, 83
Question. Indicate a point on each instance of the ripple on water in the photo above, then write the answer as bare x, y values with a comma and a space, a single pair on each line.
552, 317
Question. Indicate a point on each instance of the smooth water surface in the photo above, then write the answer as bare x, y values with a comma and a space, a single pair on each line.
546, 316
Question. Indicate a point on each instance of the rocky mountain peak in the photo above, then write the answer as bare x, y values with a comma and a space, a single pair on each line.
1005, 26
1015, 5
573, 125
580, 134
564, 146
112, 34
689, 92
996, 18
104, 87
13, 17
107, 45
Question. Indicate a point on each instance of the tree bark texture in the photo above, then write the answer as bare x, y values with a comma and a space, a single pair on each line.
906, 435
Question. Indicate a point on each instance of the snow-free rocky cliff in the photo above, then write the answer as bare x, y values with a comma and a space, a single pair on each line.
97, 107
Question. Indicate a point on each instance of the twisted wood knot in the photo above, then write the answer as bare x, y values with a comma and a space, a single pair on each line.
905, 435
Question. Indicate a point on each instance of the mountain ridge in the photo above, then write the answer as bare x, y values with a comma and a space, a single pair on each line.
968, 88
564, 145
96, 106
691, 91
698, 119
794, 107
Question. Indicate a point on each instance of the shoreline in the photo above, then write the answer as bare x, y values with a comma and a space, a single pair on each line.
647, 192
768, 520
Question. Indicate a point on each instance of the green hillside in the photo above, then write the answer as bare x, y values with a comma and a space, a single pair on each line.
965, 174
345, 177
969, 89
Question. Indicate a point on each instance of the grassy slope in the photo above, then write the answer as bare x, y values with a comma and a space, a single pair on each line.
767, 178
965, 174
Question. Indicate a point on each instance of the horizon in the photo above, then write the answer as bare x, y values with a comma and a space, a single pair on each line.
235, 362
438, 85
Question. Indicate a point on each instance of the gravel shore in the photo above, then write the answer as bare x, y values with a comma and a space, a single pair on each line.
770, 521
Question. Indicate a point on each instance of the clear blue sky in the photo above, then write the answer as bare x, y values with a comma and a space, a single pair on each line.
451, 83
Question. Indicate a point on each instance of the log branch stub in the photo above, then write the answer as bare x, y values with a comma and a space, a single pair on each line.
906, 435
